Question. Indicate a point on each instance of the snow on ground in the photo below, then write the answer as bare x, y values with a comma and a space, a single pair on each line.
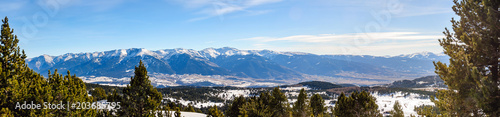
187, 114
295, 88
196, 104
231, 94
408, 102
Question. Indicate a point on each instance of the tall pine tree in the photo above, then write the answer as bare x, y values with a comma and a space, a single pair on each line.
300, 108
18, 83
278, 104
397, 110
317, 105
140, 98
474, 49
236, 106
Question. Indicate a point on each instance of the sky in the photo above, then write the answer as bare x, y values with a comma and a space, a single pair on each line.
358, 27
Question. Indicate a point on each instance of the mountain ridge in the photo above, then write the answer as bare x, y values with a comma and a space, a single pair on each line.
267, 65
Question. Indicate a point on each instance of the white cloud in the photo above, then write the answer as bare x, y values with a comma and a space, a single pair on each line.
6, 6
383, 43
212, 8
380, 36
413, 10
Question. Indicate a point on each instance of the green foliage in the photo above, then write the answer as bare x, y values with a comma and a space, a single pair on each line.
190, 108
234, 108
317, 105
215, 112
473, 73
397, 110
279, 103
300, 108
140, 98
259, 106
18, 83
177, 112
357, 104
98, 94
428, 111
69, 89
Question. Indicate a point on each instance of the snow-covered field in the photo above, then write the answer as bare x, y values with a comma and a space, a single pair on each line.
195, 103
408, 102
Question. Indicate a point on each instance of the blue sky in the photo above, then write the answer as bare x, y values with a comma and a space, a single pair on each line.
361, 27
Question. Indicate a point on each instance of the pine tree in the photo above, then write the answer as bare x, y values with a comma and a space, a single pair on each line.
317, 105
140, 97
259, 106
190, 108
473, 73
300, 108
214, 112
18, 83
234, 108
98, 94
357, 105
278, 104
177, 112
397, 110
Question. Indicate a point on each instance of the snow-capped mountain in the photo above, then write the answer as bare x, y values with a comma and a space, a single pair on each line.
227, 62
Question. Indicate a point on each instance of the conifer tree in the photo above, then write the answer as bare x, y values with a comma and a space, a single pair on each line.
190, 108
140, 97
473, 73
317, 105
98, 94
397, 110
215, 112
18, 83
259, 106
177, 112
300, 108
234, 108
357, 105
278, 104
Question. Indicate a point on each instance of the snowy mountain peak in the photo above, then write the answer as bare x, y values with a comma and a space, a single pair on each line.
424, 55
145, 52
48, 58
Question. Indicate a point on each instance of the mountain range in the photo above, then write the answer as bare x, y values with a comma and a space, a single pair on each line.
217, 66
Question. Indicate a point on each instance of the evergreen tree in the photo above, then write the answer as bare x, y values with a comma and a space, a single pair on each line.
234, 108
356, 105
69, 89
317, 105
300, 108
259, 106
190, 108
140, 97
177, 112
397, 110
19, 83
98, 94
215, 112
278, 104
473, 73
